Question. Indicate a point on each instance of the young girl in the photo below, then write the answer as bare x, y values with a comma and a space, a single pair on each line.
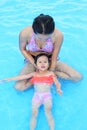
42, 80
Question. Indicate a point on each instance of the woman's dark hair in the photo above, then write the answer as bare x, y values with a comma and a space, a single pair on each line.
43, 24
39, 55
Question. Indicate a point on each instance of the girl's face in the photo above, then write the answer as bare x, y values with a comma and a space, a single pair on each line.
43, 63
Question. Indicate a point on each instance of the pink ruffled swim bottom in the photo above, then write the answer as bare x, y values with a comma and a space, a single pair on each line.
41, 97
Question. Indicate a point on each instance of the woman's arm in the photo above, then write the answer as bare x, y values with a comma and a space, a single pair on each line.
19, 77
57, 47
23, 40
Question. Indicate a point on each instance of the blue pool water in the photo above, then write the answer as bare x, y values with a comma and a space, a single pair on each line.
70, 110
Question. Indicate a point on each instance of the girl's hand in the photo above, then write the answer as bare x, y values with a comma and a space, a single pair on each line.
4, 80
60, 91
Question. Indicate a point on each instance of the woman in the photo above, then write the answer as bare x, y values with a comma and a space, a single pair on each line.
41, 37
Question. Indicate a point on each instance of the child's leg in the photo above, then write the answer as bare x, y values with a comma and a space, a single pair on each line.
48, 112
35, 108
24, 84
67, 72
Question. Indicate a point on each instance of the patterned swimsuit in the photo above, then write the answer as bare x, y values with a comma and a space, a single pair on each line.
33, 47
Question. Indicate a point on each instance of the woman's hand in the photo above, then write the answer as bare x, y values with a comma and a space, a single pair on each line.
53, 70
35, 66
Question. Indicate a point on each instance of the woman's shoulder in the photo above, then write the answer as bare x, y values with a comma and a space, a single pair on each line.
26, 32
57, 36
57, 32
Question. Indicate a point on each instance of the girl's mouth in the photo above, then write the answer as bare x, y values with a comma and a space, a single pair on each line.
42, 66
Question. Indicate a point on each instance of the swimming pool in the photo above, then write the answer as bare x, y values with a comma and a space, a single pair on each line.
70, 110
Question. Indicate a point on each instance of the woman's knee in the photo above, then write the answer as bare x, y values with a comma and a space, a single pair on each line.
76, 76
65, 71
20, 85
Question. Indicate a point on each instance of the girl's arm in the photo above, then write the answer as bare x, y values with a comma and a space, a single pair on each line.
19, 77
58, 85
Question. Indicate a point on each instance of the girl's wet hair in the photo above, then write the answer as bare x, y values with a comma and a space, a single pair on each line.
43, 24
40, 55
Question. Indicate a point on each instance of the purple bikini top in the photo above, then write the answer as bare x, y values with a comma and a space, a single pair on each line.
33, 47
